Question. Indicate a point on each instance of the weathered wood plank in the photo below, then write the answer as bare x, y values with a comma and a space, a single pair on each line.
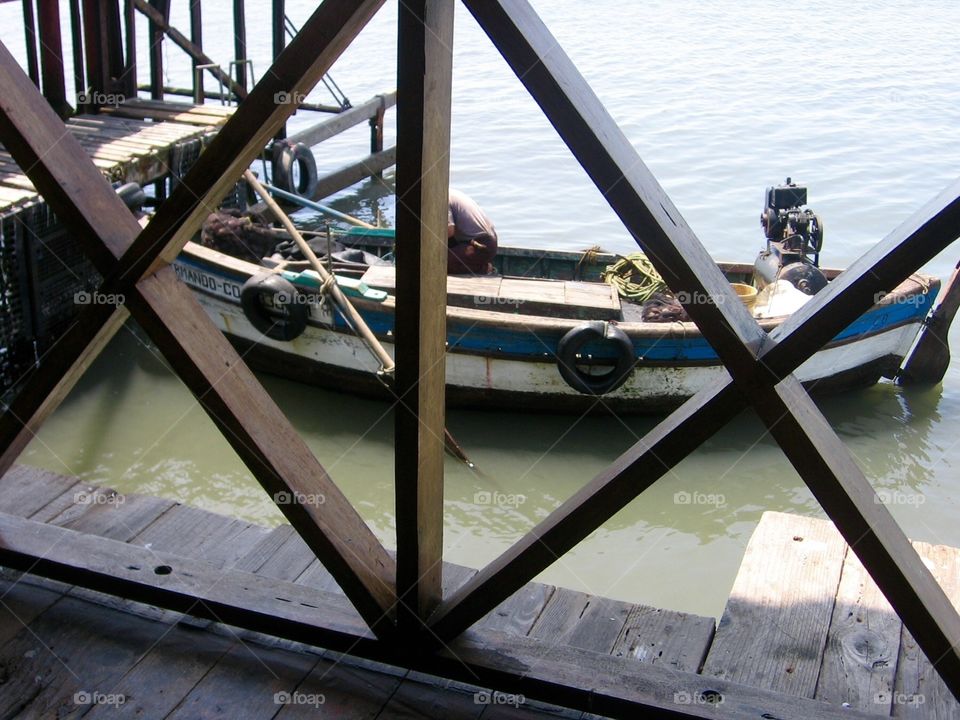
20, 603
581, 620
919, 692
573, 677
348, 692
774, 627
839, 485
424, 75
266, 548
343, 120
70, 652
860, 658
416, 699
24, 490
157, 683
278, 673
665, 637
293, 558
518, 613
111, 514
62, 502
192, 532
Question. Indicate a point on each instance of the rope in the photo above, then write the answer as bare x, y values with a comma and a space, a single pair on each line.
634, 277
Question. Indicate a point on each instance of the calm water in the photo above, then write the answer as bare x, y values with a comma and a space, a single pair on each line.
858, 100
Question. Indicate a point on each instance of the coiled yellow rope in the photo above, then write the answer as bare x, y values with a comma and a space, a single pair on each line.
634, 277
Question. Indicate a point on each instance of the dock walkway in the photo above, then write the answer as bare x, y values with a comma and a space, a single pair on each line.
803, 621
139, 141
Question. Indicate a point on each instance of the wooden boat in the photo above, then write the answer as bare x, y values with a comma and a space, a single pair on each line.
542, 335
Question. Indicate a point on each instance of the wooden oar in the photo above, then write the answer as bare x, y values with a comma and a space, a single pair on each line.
330, 284
930, 358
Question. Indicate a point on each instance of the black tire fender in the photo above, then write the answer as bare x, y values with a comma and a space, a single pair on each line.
286, 157
292, 319
573, 342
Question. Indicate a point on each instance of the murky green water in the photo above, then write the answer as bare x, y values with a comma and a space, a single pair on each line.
863, 106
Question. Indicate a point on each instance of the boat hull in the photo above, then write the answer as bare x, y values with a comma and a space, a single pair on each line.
497, 360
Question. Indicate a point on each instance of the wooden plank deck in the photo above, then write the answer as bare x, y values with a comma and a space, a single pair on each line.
133, 142
181, 668
803, 619
525, 296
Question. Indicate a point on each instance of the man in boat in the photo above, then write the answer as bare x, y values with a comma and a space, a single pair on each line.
471, 237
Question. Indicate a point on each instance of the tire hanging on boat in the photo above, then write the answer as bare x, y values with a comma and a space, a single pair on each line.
286, 158
291, 320
573, 342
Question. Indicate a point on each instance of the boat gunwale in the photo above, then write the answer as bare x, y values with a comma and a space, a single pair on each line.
918, 284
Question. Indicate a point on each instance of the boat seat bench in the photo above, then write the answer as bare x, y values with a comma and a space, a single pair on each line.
524, 296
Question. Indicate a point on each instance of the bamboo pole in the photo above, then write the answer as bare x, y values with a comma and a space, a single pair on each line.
450, 443
329, 282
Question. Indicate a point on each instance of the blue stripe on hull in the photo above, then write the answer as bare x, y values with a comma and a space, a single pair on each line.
523, 344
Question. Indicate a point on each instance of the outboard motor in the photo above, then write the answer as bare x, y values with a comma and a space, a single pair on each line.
794, 241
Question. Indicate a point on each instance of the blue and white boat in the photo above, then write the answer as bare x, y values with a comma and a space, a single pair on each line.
544, 334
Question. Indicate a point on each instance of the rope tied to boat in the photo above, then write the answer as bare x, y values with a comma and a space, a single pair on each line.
634, 277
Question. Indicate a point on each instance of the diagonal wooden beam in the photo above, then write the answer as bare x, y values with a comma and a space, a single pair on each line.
43, 390
321, 40
918, 239
268, 444
424, 73
596, 502
846, 495
626, 183
252, 423
552, 80
914, 242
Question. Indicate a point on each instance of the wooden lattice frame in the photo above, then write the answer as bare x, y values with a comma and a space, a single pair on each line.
135, 264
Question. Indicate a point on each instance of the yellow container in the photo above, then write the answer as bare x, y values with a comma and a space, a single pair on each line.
747, 293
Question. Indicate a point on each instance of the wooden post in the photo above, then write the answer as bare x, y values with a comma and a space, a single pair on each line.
424, 69
156, 18
196, 37
240, 41
130, 65
30, 41
51, 58
279, 18
156, 49
76, 32
376, 132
